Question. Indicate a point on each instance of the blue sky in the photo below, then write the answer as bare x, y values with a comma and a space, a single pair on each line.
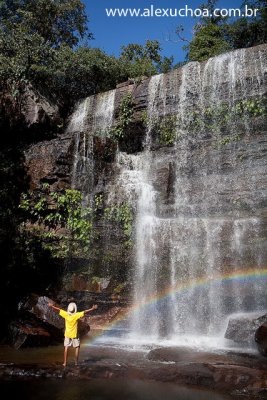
111, 33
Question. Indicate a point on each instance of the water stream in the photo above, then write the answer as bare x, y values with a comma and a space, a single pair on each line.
189, 245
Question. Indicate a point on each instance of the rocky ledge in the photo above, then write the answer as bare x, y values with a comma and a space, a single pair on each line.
226, 372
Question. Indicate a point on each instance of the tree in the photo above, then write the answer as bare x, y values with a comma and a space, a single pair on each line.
247, 32
141, 59
209, 36
78, 73
20, 53
208, 42
215, 34
39, 45
31, 34
166, 64
145, 59
56, 21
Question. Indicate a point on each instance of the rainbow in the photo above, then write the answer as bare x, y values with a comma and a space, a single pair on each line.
242, 276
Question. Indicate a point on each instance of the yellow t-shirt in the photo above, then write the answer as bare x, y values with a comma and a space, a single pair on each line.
71, 323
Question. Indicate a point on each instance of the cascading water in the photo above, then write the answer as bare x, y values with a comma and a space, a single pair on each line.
202, 241
195, 217
93, 115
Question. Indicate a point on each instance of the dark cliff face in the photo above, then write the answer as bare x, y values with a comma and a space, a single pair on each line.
202, 130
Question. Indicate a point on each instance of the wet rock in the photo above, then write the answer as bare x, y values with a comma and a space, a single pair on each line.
39, 325
104, 149
175, 354
241, 328
261, 339
210, 169
130, 143
28, 332
229, 373
38, 306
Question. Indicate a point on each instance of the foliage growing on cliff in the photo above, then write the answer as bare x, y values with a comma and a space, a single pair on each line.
125, 117
167, 130
164, 128
123, 214
60, 220
20, 256
214, 118
64, 225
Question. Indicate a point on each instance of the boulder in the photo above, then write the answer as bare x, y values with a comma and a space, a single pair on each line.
28, 332
39, 325
37, 109
241, 327
38, 306
261, 339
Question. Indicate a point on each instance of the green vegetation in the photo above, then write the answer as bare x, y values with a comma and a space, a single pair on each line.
167, 130
59, 220
209, 36
163, 128
23, 257
64, 225
247, 32
32, 33
215, 118
45, 43
122, 214
41, 44
124, 118
250, 107
228, 139
145, 59
216, 35
56, 21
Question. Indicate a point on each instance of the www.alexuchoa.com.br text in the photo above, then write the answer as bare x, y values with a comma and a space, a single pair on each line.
185, 11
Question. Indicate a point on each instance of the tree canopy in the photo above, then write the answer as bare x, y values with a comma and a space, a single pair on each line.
247, 32
145, 59
216, 35
56, 21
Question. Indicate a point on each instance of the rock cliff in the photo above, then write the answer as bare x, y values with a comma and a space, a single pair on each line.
191, 165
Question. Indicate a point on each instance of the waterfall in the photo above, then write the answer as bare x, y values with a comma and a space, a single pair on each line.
182, 258
103, 112
197, 221
92, 116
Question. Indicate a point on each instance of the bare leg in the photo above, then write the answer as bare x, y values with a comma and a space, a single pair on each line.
77, 350
65, 355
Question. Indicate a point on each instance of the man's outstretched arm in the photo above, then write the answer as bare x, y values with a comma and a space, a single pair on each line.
54, 307
90, 309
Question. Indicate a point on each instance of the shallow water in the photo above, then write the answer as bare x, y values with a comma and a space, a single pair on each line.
102, 390
94, 350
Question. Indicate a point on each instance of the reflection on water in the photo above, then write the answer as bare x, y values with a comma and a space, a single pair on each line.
94, 356
102, 390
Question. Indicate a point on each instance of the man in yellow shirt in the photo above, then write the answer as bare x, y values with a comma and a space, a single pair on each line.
71, 317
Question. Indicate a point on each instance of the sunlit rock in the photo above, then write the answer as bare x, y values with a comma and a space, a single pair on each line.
241, 328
